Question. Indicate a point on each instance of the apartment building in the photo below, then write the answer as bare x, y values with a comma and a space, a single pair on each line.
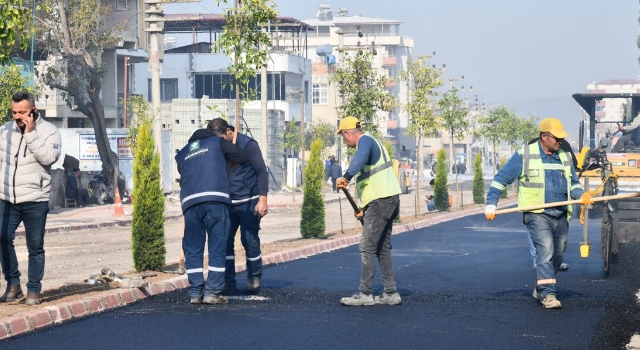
118, 76
333, 33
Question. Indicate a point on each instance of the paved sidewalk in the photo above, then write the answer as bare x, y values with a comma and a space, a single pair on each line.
90, 217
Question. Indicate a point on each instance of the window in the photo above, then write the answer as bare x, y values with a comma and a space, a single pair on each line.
121, 5
222, 86
319, 92
168, 89
390, 72
390, 51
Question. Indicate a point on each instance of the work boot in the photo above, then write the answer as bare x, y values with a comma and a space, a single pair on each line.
215, 299
11, 294
33, 298
358, 299
196, 300
253, 284
388, 299
550, 302
229, 289
535, 294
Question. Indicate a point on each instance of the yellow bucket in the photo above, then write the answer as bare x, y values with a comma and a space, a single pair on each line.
585, 249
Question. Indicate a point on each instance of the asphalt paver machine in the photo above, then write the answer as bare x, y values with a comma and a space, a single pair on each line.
611, 173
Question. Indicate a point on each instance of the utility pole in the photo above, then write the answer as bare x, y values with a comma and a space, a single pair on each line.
155, 18
126, 85
302, 96
263, 111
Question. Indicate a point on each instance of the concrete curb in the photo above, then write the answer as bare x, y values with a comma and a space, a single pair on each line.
127, 222
78, 227
53, 315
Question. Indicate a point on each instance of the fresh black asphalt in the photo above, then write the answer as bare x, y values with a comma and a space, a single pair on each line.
465, 284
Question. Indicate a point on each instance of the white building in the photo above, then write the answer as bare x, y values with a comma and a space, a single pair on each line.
52, 103
331, 32
195, 87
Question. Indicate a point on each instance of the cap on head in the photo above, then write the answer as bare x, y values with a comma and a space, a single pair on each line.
76, 169
348, 123
554, 127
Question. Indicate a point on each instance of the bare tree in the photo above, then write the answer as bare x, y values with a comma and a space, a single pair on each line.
74, 34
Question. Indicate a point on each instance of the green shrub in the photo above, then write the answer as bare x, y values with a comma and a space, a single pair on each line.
312, 220
440, 189
147, 225
478, 180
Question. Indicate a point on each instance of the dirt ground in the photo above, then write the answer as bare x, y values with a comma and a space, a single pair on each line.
73, 257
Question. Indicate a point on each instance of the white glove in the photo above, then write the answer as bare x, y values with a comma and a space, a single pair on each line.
490, 211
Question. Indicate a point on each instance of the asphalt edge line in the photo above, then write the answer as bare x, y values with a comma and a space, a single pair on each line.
73, 310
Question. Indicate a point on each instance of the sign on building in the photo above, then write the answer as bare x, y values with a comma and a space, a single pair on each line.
89, 149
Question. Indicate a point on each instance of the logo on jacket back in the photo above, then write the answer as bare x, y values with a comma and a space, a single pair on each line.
194, 150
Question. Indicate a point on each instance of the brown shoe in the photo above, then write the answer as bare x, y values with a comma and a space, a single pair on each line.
11, 294
33, 298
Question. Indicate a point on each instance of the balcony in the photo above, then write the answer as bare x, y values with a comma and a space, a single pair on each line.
389, 61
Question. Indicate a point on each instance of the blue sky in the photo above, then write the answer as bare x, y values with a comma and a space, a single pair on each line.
528, 55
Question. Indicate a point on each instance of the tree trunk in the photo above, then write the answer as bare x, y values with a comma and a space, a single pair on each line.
90, 104
455, 166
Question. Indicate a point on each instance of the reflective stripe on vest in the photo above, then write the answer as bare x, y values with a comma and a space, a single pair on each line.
532, 183
377, 180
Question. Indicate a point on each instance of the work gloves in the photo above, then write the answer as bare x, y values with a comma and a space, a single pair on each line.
490, 211
587, 198
342, 183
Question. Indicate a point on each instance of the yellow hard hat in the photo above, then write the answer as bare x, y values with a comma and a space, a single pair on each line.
554, 127
348, 123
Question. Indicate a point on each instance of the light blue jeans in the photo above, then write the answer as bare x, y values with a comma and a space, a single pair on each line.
532, 248
549, 235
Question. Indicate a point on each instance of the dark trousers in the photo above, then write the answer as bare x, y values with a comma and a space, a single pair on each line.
620, 143
34, 216
375, 243
243, 216
333, 181
202, 221
82, 196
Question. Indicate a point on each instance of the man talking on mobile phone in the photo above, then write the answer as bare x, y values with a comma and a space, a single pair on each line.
28, 147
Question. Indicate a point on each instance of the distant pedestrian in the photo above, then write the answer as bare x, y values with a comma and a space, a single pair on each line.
378, 190
204, 196
431, 204
336, 172
73, 188
248, 188
25, 190
327, 169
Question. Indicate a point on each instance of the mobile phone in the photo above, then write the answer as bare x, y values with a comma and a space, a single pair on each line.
34, 115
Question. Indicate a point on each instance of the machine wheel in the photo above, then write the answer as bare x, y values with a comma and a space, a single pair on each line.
607, 256
607, 228
101, 198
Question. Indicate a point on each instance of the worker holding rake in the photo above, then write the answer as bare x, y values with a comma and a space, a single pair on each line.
545, 174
